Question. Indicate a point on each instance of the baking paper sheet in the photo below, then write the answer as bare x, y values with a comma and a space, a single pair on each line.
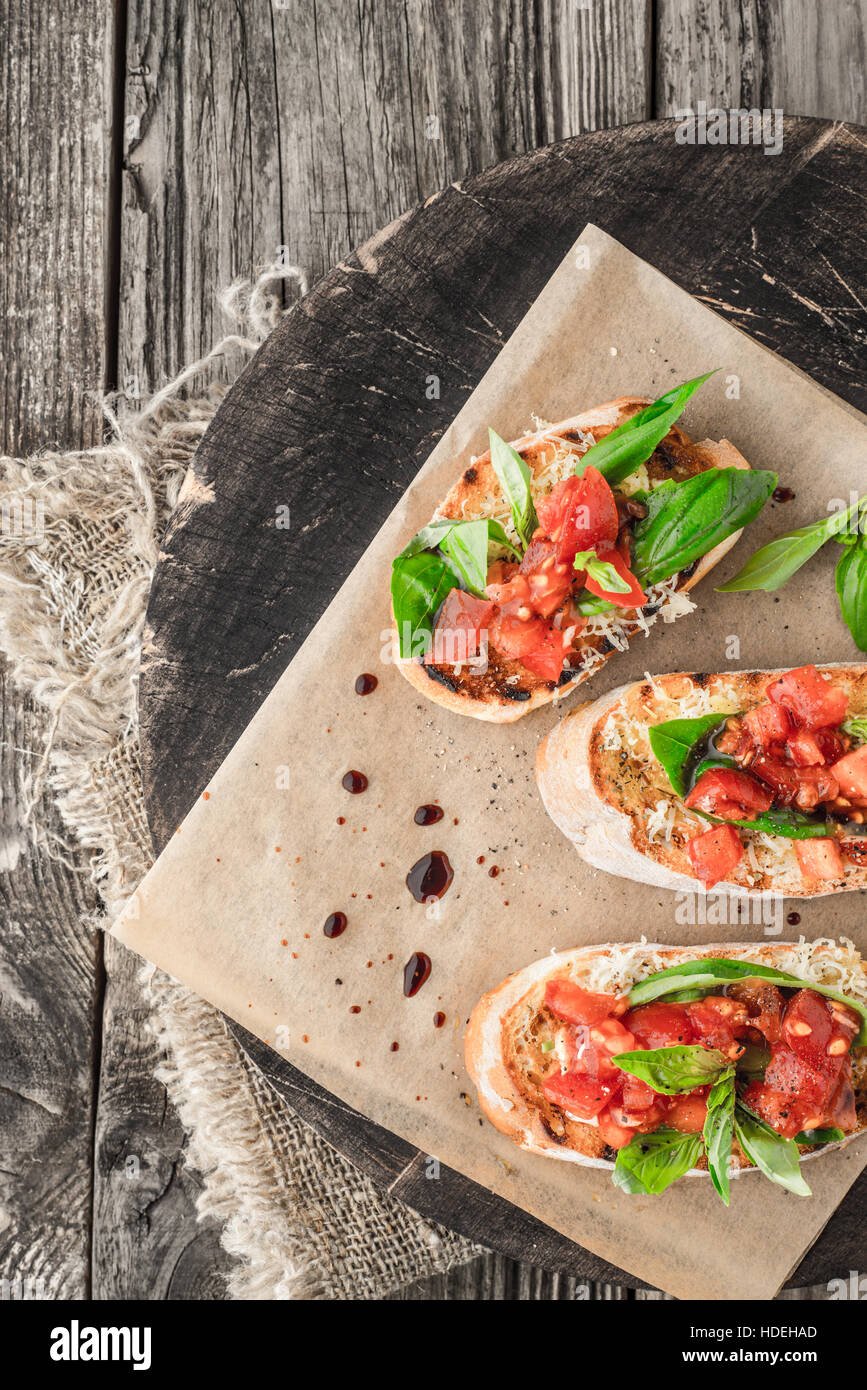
235, 905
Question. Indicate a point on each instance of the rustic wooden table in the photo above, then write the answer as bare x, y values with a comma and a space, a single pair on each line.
147, 157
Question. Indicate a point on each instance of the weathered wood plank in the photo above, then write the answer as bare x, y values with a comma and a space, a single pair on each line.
54, 169
808, 60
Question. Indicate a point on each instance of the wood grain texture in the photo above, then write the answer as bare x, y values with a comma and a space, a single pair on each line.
54, 158
807, 59
713, 219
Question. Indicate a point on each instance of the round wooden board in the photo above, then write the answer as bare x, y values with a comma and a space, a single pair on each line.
335, 426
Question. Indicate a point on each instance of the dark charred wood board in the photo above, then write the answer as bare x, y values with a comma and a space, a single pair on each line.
774, 243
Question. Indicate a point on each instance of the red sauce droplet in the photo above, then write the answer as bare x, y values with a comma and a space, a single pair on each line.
439, 1020
481, 859
793, 919
355, 1009
415, 972
335, 925
355, 782
365, 683
428, 815
783, 494
430, 876
493, 871
394, 1047
341, 820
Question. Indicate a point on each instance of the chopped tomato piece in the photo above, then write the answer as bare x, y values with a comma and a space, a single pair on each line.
639, 1120
764, 1004
814, 701
767, 725
549, 578
715, 1020
457, 635
782, 1110
576, 1005
819, 858
612, 1036
634, 597
659, 1025
514, 636
730, 793
803, 749
546, 658
579, 514
851, 773
688, 1112
613, 1134
637, 1095
818, 1030
505, 589
715, 853
805, 786
581, 1095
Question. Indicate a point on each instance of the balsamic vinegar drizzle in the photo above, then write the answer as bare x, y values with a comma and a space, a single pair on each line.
428, 815
430, 876
415, 972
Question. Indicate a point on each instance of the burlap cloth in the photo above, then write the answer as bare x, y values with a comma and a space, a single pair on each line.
78, 547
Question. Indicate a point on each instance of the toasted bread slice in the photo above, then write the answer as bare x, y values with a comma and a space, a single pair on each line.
506, 1029
606, 791
507, 689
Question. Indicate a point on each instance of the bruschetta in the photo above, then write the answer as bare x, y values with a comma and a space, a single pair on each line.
550, 553
658, 1062
754, 781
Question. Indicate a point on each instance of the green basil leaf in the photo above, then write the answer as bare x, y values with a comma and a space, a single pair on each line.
437, 532
783, 820
630, 445
673, 1070
467, 548
605, 574
686, 520
776, 1157
673, 744
715, 968
719, 1130
820, 1136
590, 604
851, 582
514, 478
856, 727
721, 760
419, 584
777, 561
651, 1162
497, 536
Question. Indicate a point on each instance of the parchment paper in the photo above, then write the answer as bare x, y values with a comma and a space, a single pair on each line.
236, 904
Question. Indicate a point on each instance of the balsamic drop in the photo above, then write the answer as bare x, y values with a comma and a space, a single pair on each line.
415, 972
430, 876
365, 683
783, 494
428, 815
335, 925
355, 782
793, 919
438, 1020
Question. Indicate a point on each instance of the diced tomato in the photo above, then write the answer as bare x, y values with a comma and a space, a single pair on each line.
507, 590
805, 786
579, 514
767, 725
612, 1036
730, 793
715, 1020
815, 702
640, 1121
688, 1112
514, 636
855, 850
576, 1005
803, 749
659, 1025
714, 854
613, 1134
819, 1031
851, 773
549, 578
459, 626
580, 1094
780, 1109
634, 597
764, 1004
637, 1095
546, 658
819, 858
